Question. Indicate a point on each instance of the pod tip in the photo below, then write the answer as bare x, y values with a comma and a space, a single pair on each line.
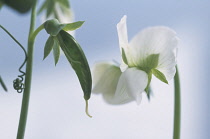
86, 109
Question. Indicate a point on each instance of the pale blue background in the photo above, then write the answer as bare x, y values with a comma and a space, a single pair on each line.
57, 107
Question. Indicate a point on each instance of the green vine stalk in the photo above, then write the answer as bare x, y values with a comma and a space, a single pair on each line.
177, 106
28, 76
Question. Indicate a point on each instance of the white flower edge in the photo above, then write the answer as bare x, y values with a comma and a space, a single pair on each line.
123, 40
118, 87
153, 40
126, 83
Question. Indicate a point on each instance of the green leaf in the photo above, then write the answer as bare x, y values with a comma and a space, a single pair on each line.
50, 8
65, 3
21, 6
1, 4
56, 51
43, 7
150, 62
159, 75
48, 46
78, 61
53, 27
124, 57
3, 84
73, 26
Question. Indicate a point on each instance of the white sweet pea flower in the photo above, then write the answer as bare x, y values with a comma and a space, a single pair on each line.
151, 51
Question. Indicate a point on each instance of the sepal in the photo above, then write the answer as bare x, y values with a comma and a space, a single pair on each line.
124, 57
53, 27
150, 62
159, 75
56, 50
48, 46
73, 26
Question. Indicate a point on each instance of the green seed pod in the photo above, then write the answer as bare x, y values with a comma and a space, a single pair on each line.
53, 27
78, 61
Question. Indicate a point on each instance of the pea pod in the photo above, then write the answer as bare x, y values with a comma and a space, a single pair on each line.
78, 61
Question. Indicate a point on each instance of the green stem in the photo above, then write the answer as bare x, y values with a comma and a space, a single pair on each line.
34, 34
26, 93
177, 106
3, 84
13, 38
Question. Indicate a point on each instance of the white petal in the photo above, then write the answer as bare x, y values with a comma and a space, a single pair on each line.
167, 63
123, 66
122, 32
156, 40
131, 84
105, 78
99, 69
123, 41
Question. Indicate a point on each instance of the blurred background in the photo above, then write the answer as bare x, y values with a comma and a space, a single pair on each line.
57, 108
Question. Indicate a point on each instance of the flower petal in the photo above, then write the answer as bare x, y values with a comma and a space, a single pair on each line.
123, 39
156, 40
131, 84
105, 78
167, 63
122, 32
